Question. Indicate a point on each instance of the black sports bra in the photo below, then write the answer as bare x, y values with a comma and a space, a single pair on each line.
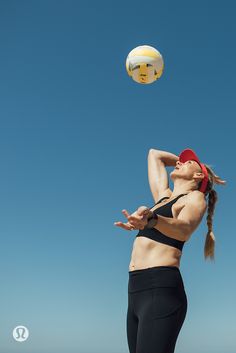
155, 234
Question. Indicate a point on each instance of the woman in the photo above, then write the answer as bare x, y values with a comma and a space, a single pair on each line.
157, 302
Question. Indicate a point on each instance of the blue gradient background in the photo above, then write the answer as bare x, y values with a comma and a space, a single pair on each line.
75, 131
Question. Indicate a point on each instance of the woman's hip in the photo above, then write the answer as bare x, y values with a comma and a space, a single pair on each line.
156, 292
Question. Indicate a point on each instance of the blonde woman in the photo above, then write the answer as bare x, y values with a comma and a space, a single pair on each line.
157, 301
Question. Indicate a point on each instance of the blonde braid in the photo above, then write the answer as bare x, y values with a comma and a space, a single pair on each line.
209, 247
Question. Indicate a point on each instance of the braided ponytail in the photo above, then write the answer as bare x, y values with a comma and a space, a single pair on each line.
209, 247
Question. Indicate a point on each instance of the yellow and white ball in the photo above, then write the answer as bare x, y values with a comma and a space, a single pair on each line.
144, 64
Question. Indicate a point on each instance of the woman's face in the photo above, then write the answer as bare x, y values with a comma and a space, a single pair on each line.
187, 170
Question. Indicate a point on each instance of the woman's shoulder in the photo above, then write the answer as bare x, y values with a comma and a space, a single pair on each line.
196, 196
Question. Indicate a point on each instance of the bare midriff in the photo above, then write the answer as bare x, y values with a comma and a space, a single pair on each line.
149, 253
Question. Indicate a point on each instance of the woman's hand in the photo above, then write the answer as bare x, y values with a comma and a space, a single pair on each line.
136, 220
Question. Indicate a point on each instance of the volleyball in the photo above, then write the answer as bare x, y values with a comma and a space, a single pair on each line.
144, 64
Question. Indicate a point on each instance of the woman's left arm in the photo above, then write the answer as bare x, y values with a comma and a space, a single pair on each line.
178, 228
187, 221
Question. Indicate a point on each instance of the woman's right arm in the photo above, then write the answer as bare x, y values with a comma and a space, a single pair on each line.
169, 159
157, 173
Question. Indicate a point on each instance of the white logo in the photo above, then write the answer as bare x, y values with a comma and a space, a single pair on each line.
20, 333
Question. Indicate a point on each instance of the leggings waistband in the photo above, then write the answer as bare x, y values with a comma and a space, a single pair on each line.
148, 269
152, 277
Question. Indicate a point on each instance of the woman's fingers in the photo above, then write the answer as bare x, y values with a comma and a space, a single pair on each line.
126, 226
136, 220
126, 213
139, 224
141, 211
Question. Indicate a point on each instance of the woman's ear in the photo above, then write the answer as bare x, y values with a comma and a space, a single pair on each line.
199, 175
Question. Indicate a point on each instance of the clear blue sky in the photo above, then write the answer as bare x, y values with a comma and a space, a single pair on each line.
75, 131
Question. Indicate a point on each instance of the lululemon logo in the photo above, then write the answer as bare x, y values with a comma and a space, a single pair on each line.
20, 333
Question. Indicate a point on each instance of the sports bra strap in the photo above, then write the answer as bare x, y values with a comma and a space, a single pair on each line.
168, 198
162, 199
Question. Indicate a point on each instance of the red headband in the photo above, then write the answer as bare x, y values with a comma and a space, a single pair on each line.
189, 154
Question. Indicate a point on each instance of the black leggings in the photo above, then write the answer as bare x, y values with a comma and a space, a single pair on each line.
157, 306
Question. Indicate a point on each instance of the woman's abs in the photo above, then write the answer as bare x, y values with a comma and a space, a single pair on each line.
149, 253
